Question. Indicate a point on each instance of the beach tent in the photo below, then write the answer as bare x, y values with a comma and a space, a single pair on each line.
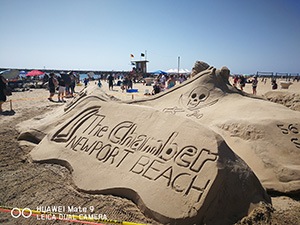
10, 74
34, 73
22, 73
159, 72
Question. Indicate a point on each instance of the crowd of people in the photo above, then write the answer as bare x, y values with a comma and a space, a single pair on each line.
241, 81
164, 82
126, 81
64, 83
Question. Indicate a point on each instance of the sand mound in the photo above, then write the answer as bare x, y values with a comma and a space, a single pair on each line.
290, 100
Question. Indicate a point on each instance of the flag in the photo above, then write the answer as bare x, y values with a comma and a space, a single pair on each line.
131, 55
142, 55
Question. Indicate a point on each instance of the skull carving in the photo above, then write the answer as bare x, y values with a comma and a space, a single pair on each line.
198, 98
198, 95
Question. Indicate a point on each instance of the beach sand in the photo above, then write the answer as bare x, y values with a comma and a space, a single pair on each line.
26, 184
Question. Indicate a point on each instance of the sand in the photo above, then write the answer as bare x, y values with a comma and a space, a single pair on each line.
26, 184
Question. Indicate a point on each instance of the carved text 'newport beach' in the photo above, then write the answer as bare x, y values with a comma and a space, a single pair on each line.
164, 160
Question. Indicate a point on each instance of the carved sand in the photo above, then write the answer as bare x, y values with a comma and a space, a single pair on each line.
264, 134
176, 170
175, 154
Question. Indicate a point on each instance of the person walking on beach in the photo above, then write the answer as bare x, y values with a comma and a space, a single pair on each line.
235, 81
85, 81
61, 89
242, 82
110, 79
52, 83
254, 85
130, 83
2, 93
72, 84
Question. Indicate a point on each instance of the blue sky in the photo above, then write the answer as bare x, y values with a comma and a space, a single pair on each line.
244, 35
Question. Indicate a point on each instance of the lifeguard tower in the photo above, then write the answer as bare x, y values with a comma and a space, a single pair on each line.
140, 68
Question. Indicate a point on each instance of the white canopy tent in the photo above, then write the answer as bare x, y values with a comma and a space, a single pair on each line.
176, 71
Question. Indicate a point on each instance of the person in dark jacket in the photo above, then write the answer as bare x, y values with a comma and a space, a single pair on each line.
52, 83
2, 94
61, 89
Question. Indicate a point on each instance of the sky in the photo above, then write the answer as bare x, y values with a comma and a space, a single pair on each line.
245, 35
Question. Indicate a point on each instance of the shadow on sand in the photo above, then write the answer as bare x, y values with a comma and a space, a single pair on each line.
8, 113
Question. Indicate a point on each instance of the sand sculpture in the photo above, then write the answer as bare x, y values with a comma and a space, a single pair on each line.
290, 100
264, 134
176, 170
167, 153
